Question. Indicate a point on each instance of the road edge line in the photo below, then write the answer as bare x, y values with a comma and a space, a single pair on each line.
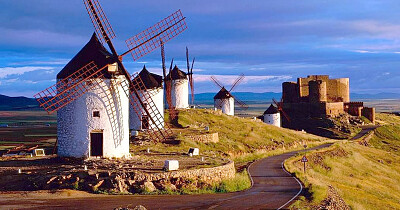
301, 186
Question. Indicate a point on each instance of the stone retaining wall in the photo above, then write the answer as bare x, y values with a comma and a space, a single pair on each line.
121, 181
208, 175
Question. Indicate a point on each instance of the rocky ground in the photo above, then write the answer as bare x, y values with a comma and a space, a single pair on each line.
95, 175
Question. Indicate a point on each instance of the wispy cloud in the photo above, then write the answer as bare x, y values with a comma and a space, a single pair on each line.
7, 71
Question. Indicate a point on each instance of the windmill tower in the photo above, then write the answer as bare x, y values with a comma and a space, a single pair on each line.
279, 107
96, 123
224, 100
95, 89
179, 88
153, 86
272, 116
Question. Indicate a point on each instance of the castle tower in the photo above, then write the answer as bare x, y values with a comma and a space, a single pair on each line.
179, 88
224, 101
97, 123
290, 92
154, 86
317, 90
272, 116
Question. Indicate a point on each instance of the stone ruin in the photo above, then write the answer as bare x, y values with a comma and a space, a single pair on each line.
318, 96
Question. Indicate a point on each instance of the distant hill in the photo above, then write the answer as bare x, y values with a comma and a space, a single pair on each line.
354, 96
208, 98
8, 103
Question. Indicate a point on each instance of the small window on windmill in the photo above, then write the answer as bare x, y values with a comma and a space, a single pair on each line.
39, 152
96, 114
112, 68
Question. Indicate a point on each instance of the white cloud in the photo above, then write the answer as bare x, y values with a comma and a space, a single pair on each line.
50, 62
7, 71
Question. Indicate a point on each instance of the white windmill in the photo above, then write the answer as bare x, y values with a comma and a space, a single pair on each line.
272, 116
153, 86
224, 100
93, 91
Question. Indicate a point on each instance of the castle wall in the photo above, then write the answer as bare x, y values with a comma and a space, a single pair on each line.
354, 108
369, 113
303, 83
333, 109
338, 90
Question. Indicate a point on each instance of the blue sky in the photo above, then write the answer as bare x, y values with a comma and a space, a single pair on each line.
269, 41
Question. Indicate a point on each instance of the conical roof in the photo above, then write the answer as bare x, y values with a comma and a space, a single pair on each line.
92, 51
223, 94
271, 110
150, 80
176, 74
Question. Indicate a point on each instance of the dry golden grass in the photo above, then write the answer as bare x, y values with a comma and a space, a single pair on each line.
366, 178
241, 139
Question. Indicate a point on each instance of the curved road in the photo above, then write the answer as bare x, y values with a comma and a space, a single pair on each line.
272, 188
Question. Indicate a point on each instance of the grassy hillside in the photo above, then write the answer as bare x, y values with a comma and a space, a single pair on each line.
240, 139
365, 177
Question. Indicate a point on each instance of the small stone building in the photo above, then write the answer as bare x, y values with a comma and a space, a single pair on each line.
153, 85
96, 123
179, 88
272, 116
224, 101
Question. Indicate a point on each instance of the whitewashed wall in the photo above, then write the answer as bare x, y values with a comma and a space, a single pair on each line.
75, 122
180, 93
273, 119
158, 98
227, 106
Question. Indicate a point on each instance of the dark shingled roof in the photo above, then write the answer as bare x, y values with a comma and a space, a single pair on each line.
92, 51
176, 73
271, 110
150, 80
222, 94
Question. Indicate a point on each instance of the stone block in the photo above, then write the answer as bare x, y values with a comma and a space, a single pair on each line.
171, 165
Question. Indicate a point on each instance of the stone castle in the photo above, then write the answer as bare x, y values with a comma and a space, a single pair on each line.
318, 95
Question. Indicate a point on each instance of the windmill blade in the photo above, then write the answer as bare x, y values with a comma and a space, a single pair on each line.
191, 81
163, 60
242, 104
276, 103
285, 115
237, 81
215, 80
280, 109
187, 60
170, 67
145, 42
100, 22
167, 83
191, 69
67, 90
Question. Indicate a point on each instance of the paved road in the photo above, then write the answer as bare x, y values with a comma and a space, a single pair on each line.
273, 188
364, 131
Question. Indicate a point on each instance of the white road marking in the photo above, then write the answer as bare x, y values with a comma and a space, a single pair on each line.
301, 187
